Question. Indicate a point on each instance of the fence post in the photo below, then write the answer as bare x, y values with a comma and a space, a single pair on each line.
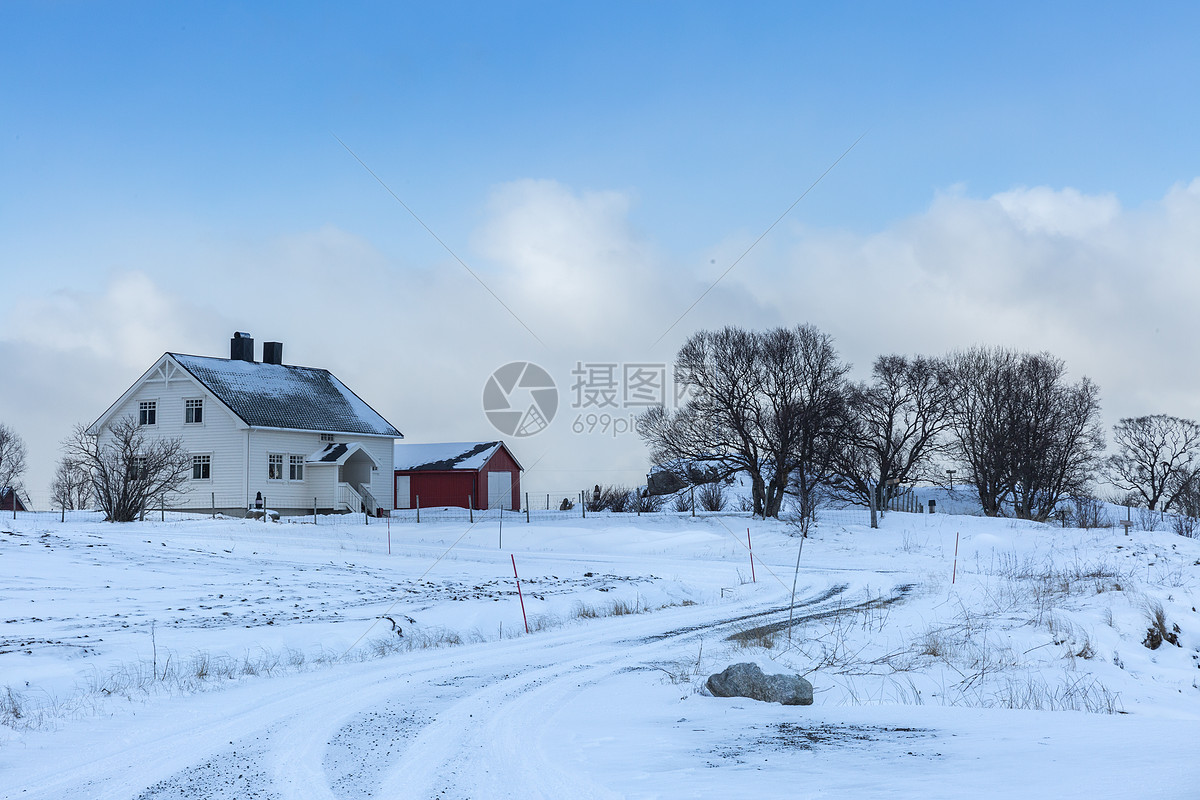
314, 511
214, 505
582, 504
519, 595
693, 493
527, 507
418, 508
871, 502
471, 508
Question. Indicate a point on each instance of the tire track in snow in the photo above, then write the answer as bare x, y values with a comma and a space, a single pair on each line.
453, 723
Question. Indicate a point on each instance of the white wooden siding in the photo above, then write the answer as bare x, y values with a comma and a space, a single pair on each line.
239, 453
221, 435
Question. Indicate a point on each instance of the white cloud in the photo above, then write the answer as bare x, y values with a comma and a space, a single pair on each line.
1112, 290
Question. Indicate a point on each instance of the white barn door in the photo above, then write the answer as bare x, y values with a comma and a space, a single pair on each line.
403, 491
500, 490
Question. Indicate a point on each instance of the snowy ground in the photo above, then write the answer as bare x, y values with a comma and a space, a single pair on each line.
232, 659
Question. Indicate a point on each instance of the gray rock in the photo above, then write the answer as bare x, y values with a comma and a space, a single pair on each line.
747, 680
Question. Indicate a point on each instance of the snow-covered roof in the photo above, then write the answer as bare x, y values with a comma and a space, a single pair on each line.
285, 396
444, 455
338, 453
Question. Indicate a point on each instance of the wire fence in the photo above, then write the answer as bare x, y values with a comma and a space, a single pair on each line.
577, 505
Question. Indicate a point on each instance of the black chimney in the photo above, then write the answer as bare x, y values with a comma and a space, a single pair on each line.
241, 347
272, 352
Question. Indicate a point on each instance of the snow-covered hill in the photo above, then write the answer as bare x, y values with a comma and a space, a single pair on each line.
221, 658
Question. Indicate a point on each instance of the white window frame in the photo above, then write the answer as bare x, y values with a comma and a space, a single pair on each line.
295, 468
206, 463
326, 437
191, 404
148, 412
273, 460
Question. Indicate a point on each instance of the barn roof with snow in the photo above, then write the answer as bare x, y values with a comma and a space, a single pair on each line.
446, 456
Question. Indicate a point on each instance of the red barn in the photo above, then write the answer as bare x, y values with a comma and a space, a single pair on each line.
10, 500
482, 475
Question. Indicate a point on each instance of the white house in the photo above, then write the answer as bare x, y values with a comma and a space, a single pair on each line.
297, 436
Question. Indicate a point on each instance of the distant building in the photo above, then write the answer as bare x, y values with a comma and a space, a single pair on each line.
295, 436
10, 497
478, 475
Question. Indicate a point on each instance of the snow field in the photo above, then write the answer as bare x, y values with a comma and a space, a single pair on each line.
287, 682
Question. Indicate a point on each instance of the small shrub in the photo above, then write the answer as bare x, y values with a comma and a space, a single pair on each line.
1088, 512
10, 708
622, 608
646, 503
682, 502
1184, 525
1148, 520
584, 611
712, 497
611, 498
1160, 629
1086, 650
936, 644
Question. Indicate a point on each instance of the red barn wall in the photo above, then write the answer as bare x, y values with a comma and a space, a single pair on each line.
439, 488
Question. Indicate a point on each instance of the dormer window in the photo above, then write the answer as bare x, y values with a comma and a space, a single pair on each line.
193, 411
148, 412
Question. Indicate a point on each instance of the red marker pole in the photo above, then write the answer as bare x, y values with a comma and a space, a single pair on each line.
750, 547
519, 595
954, 574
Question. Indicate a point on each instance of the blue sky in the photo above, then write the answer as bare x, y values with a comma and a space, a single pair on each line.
190, 146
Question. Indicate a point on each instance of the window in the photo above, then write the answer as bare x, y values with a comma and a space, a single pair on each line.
193, 411
200, 468
147, 412
274, 467
137, 469
326, 437
296, 468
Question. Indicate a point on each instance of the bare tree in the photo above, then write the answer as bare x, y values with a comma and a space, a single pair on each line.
1186, 496
72, 485
980, 382
1022, 433
805, 393
127, 469
1059, 440
766, 404
716, 425
1156, 455
895, 427
12, 459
